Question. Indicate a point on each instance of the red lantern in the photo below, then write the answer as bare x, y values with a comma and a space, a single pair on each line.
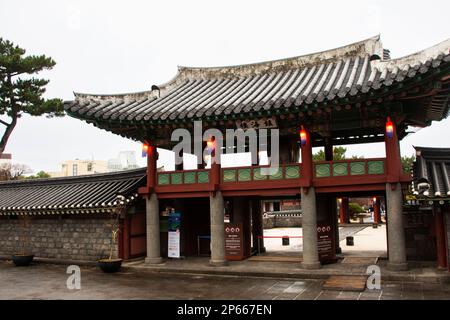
145, 148
389, 128
303, 136
211, 146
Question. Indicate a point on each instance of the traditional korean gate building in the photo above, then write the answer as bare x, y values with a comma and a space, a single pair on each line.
353, 94
69, 219
430, 217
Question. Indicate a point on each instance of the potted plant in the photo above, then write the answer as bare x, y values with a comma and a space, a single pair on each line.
113, 264
23, 258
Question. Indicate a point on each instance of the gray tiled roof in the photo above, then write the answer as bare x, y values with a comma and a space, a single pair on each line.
95, 193
299, 81
431, 173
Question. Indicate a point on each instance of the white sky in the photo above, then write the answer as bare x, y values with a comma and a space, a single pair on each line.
126, 46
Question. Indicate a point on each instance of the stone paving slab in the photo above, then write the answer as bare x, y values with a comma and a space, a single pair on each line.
45, 281
288, 270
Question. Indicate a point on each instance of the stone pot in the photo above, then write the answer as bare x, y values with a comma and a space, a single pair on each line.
110, 265
22, 260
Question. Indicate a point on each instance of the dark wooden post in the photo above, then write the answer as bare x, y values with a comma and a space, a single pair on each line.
180, 165
440, 237
202, 164
376, 210
257, 226
328, 149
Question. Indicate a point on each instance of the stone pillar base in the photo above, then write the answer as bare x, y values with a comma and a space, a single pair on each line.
397, 266
157, 260
311, 266
218, 263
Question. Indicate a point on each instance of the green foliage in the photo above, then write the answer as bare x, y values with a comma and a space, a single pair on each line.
407, 163
354, 208
338, 154
23, 95
40, 175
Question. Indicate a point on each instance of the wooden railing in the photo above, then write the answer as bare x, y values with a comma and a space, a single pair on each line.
261, 173
181, 177
345, 168
286, 179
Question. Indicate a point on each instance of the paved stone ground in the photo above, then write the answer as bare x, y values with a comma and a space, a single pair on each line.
296, 244
44, 281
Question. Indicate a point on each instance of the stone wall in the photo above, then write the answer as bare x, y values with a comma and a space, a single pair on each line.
282, 220
419, 240
61, 237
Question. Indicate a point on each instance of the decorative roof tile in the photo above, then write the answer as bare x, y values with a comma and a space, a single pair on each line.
95, 193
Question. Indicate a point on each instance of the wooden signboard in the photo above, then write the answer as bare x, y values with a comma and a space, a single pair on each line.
325, 243
234, 247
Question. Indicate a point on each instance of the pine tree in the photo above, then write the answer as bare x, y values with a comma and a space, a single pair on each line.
20, 92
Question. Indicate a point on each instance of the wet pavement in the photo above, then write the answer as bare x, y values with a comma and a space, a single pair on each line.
45, 281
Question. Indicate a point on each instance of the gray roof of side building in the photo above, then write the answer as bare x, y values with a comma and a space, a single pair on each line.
298, 81
97, 193
431, 173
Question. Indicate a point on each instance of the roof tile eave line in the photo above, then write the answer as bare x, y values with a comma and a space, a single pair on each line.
304, 95
245, 90
191, 104
140, 113
188, 87
210, 104
260, 100
89, 111
286, 85
118, 110
179, 96
173, 110
200, 105
129, 109
222, 102
291, 89
301, 86
251, 101
106, 111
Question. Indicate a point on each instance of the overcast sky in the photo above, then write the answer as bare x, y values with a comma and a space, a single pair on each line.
126, 46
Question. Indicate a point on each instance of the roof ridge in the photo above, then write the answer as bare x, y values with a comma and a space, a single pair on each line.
82, 178
420, 56
368, 46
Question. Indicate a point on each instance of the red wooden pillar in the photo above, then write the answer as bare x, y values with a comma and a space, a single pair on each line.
126, 238
307, 162
152, 157
440, 237
376, 210
343, 211
393, 160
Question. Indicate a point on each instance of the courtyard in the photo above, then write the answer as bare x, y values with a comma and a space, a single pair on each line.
46, 281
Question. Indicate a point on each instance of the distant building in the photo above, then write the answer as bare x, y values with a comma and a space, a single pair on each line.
78, 167
5, 158
126, 160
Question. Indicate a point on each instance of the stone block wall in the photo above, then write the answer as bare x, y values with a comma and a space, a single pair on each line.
419, 239
61, 237
288, 220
